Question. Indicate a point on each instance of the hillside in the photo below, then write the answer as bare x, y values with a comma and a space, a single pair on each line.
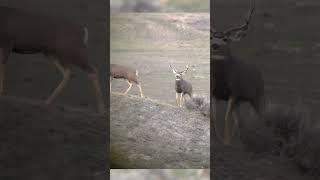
145, 133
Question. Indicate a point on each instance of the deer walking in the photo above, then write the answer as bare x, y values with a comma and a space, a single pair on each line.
182, 86
124, 72
61, 41
234, 80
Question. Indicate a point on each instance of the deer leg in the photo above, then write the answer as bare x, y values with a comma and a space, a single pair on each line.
183, 97
2, 77
177, 99
231, 103
66, 77
110, 83
140, 89
180, 104
235, 116
214, 118
94, 77
130, 86
4, 53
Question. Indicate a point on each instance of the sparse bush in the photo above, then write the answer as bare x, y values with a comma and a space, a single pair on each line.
256, 136
284, 131
198, 103
306, 152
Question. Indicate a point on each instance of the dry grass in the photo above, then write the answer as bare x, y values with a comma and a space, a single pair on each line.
199, 103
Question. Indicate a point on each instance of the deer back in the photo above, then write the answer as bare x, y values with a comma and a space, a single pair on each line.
28, 30
123, 72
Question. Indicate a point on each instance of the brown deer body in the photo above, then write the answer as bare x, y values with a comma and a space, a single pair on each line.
124, 72
61, 41
234, 80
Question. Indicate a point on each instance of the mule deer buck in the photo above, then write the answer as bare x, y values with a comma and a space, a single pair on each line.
124, 72
182, 86
61, 41
234, 80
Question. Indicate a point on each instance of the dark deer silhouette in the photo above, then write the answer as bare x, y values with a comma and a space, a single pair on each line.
234, 80
182, 86
62, 42
124, 72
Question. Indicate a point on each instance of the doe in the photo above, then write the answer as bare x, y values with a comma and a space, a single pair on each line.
124, 72
62, 42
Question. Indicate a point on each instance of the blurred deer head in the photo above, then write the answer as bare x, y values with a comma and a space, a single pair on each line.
219, 40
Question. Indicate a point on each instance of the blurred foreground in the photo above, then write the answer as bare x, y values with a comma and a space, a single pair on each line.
159, 174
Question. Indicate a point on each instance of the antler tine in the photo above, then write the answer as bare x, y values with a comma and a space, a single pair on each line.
187, 66
174, 69
247, 22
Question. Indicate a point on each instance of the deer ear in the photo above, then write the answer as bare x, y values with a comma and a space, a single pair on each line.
174, 71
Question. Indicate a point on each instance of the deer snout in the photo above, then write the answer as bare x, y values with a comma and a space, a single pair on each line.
178, 76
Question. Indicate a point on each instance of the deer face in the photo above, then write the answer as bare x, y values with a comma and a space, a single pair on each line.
178, 74
219, 45
219, 41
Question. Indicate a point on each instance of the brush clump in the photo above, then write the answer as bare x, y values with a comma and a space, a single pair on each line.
285, 131
198, 103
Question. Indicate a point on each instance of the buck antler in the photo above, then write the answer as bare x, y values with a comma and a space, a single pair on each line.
236, 33
187, 66
173, 69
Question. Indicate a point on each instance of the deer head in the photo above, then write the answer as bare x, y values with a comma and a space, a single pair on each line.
178, 74
220, 40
